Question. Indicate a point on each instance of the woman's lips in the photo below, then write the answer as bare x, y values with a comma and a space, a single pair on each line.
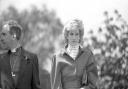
74, 41
2, 42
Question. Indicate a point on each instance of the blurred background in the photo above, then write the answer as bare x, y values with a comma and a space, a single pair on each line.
106, 33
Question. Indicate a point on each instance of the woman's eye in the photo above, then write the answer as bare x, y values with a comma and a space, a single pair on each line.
71, 33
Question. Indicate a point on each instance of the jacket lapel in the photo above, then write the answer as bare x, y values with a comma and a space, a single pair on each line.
7, 69
23, 64
6, 63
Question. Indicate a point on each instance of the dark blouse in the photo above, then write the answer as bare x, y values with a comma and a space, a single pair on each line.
68, 73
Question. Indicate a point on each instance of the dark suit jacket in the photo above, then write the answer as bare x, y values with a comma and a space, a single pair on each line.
28, 71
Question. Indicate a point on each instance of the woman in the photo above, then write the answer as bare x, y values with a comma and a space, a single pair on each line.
74, 67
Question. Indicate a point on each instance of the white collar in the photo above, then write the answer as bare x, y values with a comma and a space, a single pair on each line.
73, 51
14, 50
70, 47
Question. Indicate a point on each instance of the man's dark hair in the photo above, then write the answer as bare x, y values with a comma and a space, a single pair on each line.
14, 29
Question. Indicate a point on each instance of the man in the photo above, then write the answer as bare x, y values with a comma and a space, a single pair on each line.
18, 67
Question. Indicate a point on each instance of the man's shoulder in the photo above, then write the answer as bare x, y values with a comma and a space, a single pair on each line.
28, 53
3, 52
60, 53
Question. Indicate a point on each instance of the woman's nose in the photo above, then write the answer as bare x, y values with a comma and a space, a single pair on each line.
73, 36
1, 40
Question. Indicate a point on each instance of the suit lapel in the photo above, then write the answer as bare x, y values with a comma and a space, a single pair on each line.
6, 62
23, 64
7, 68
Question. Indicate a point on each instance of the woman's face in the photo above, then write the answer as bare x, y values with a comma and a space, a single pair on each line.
73, 36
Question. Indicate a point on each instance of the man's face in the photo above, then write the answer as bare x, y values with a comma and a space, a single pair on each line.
6, 39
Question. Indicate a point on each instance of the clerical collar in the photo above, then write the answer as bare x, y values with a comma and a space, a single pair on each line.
14, 50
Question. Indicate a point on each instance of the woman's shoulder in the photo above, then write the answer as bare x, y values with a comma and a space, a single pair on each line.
59, 53
87, 50
60, 58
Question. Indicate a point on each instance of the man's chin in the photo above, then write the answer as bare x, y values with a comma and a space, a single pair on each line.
4, 47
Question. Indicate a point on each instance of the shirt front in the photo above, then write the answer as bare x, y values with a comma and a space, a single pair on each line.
15, 64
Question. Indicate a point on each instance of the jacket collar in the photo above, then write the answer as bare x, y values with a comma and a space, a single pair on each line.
17, 52
64, 51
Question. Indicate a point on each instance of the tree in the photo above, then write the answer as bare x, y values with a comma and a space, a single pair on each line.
113, 50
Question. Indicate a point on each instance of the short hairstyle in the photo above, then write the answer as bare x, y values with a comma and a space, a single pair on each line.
71, 24
14, 29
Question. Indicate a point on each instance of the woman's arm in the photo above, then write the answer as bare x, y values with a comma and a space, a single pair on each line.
55, 74
92, 72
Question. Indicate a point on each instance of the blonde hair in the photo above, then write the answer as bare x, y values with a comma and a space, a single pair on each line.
72, 24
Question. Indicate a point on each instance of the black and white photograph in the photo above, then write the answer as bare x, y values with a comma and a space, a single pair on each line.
63, 44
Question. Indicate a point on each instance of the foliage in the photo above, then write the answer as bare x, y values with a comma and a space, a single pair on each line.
113, 51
